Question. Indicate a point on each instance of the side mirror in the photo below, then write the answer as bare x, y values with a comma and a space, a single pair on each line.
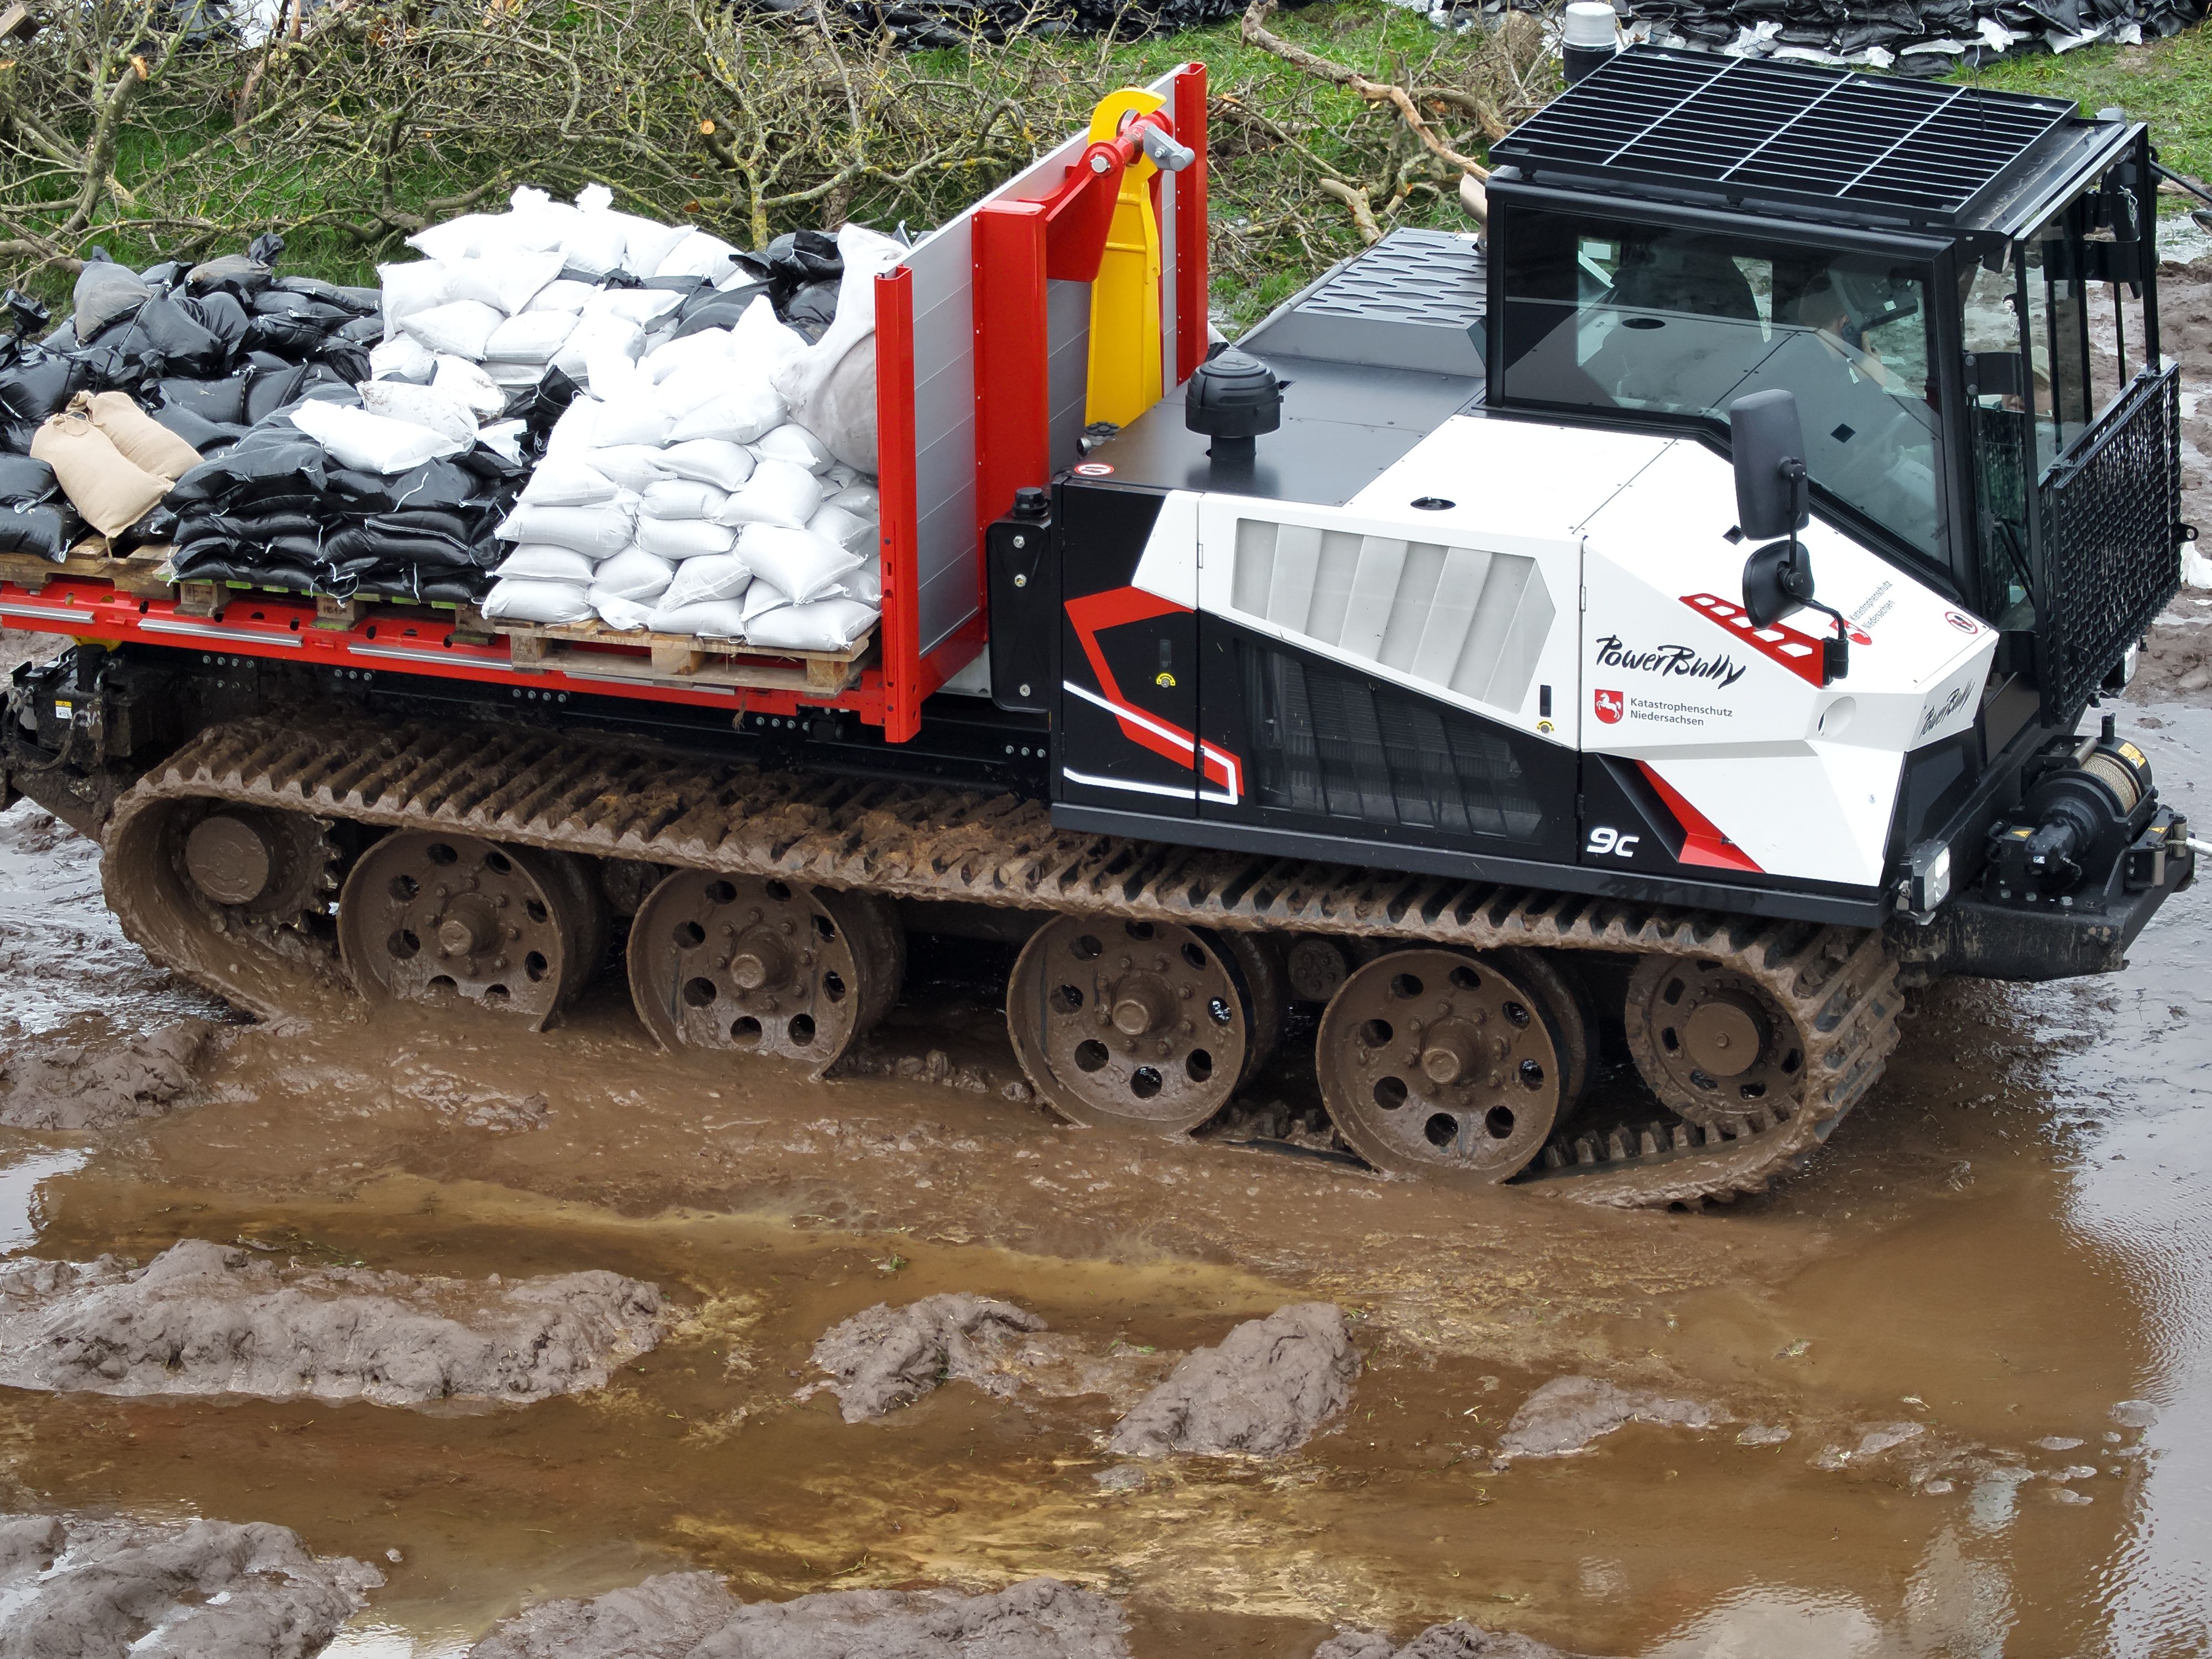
1768, 441
1778, 580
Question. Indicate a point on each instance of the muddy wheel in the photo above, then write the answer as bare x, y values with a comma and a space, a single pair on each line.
426, 916
1138, 1024
1567, 1003
1712, 1045
1439, 1064
769, 967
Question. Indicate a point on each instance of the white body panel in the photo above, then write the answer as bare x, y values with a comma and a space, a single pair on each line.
1599, 565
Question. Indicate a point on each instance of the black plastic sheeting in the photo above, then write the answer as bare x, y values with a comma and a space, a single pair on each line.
925, 25
1910, 37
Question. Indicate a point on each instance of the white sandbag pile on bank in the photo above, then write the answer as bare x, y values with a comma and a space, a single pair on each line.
716, 485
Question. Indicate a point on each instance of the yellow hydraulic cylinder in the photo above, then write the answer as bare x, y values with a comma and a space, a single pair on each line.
1125, 297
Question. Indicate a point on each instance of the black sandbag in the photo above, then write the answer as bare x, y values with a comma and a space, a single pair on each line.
346, 360
355, 301
233, 273
36, 528
222, 399
158, 525
264, 521
198, 430
798, 257
490, 465
811, 310
22, 315
38, 383
438, 483
713, 309
361, 330
264, 462
445, 523
281, 302
297, 338
271, 390
160, 338
222, 316
163, 276
545, 404
455, 588
373, 540
26, 483
106, 293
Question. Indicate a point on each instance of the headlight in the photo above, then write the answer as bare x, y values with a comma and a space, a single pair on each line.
1929, 882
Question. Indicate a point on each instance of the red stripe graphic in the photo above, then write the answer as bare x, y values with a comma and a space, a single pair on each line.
1702, 843
1115, 608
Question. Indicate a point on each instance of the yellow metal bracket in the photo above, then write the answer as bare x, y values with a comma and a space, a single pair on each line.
1125, 298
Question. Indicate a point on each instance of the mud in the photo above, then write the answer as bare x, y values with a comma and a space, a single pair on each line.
1266, 1390
72, 1588
211, 1319
69, 1086
884, 1358
1567, 1413
1456, 1640
692, 1616
16, 646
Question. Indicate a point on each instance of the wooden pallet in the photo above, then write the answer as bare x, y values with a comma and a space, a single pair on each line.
592, 647
141, 576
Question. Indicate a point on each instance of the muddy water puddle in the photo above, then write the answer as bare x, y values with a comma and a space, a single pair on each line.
2010, 1240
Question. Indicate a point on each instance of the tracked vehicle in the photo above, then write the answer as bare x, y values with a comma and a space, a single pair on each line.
1666, 621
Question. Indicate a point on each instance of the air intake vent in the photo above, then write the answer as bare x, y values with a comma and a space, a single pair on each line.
1784, 131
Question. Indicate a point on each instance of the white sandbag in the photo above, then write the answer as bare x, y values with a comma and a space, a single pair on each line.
595, 243
647, 242
531, 337
682, 498
535, 221
636, 305
563, 294
825, 625
684, 539
761, 597
747, 412
407, 289
709, 348
458, 328
617, 612
632, 419
513, 377
507, 280
537, 602
860, 500
865, 584
841, 408
633, 466
402, 359
716, 461
422, 405
467, 383
506, 438
696, 254
708, 576
762, 342
794, 443
611, 373
837, 474
373, 443
597, 336
536, 563
453, 239
694, 388
848, 530
597, 532
572, 434
831, 384
778, 492
800, 562
566, 481
632, 573
718, 619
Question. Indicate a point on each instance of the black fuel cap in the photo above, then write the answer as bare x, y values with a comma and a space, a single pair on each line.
1233, 398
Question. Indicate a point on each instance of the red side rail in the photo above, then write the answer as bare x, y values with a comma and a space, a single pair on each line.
1191, 280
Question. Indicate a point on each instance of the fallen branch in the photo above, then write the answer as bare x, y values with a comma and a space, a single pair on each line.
1363, 211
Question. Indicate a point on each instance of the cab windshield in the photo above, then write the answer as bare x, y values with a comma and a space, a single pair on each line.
1615, 315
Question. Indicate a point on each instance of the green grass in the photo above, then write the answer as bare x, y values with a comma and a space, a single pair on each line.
2167, 83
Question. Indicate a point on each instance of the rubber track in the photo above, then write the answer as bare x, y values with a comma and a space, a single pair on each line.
603, 800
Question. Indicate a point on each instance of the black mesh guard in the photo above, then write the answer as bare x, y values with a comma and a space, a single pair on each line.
2110, 539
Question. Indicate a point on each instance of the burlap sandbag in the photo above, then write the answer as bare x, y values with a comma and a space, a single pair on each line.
113, 491
139, 435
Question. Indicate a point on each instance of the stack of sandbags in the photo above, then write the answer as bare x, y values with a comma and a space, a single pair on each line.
718, 487
386, 489
114, 462
542, 286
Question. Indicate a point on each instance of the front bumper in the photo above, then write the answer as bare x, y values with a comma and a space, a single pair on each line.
1980, 938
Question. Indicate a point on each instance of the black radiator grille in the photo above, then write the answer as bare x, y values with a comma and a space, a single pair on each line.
2109, 547
1785, 130
1328, 741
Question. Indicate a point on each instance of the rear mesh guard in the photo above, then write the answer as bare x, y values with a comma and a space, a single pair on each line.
2110, 558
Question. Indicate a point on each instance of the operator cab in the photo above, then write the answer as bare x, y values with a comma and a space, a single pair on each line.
1957, 285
